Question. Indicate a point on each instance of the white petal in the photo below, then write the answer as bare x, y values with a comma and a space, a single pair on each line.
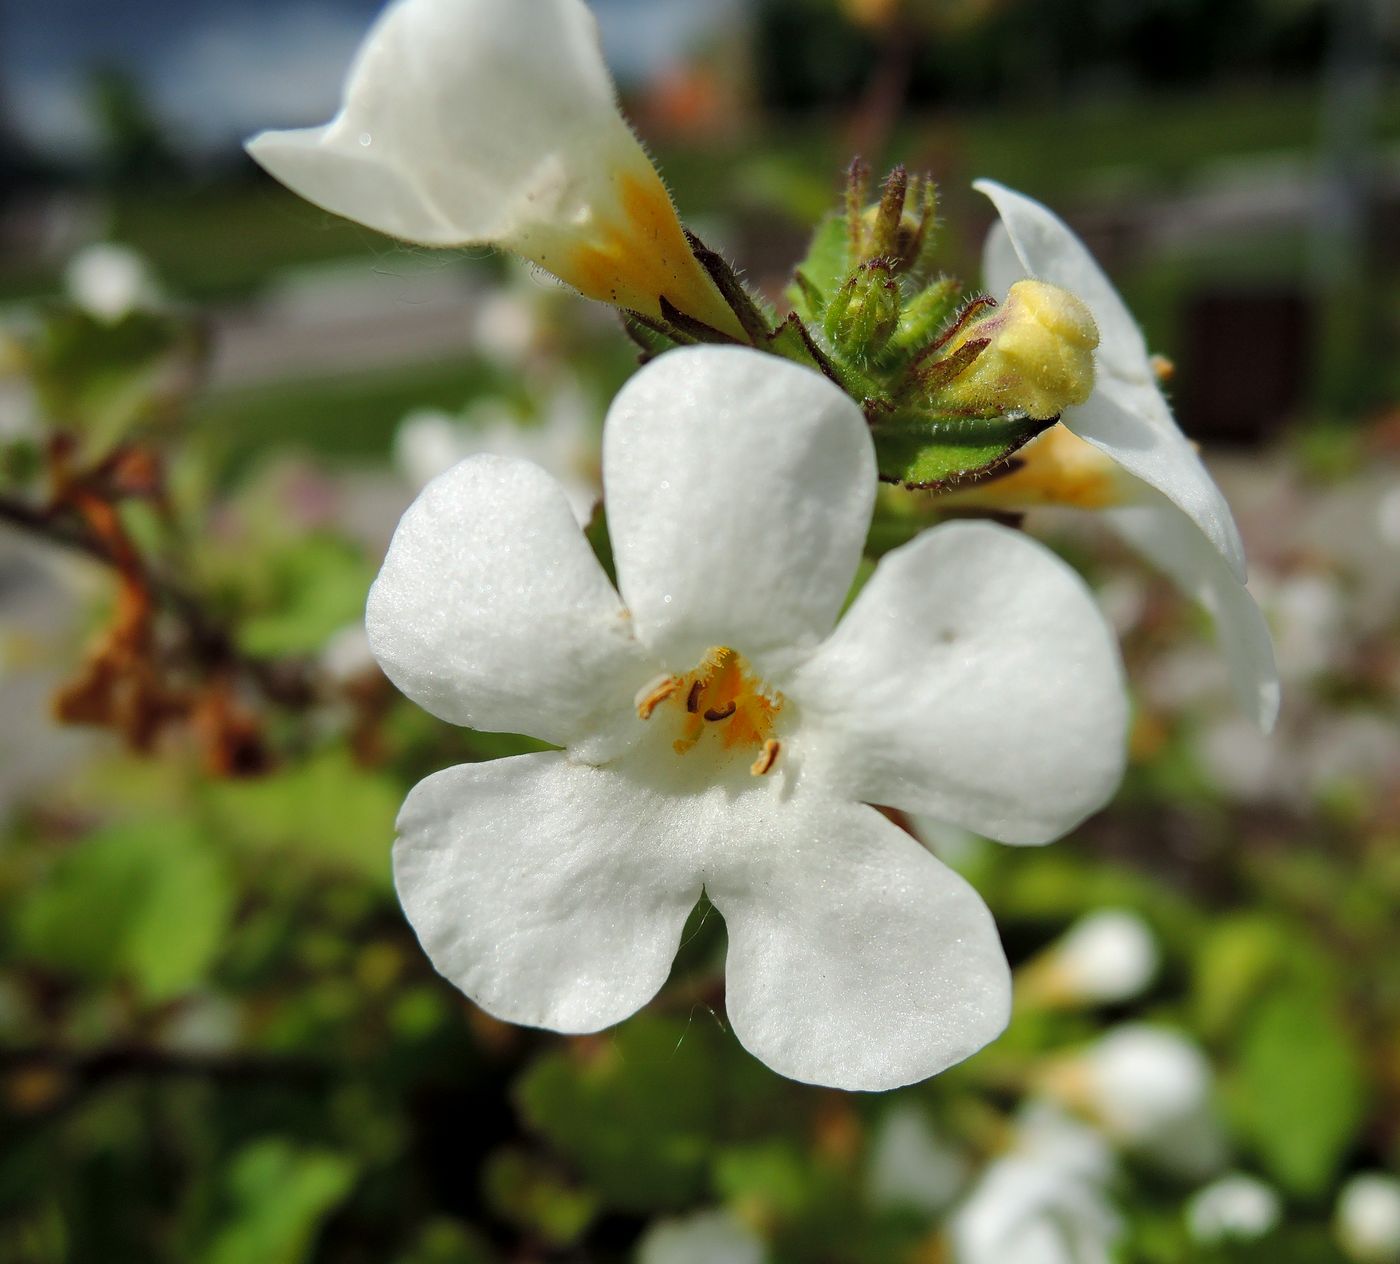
464, 121
551, 893
856, 959
1127, 416
707, 1237
1157, 529
491, 610
973, 680
739, 490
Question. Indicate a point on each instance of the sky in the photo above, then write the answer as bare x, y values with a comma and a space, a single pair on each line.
219, 69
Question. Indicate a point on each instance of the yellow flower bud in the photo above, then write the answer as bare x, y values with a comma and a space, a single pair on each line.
1039, 358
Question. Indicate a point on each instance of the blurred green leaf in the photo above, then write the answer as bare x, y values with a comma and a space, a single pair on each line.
145, 901
525, 1190
302, 594
1300, 1091
279, 1195
329, 810
641, 1113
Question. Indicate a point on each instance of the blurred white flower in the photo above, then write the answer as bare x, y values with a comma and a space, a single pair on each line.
1368, 1218
911, 1166
346, 656
495, 122
721, 733
1236, 1206
1150, 1090
505, 327
707, 1237
1106, 957
1308, 614
1044, 1202
562, 441
108, 281
1133, 465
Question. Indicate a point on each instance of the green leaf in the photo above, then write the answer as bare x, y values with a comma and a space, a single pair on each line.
529, 1193
279, 1195
328, 810
302, 595
640, 1114
147, 902
920, 450
104, 378
1300, 1092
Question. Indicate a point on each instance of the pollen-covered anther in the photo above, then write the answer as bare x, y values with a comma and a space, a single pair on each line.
1163, 369
649, 697
721, 713
767, 757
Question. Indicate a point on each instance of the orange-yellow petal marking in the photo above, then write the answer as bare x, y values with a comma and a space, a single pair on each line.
635, 259
1057, 468
723, 703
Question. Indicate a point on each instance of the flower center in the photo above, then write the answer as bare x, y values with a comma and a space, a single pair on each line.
721, 704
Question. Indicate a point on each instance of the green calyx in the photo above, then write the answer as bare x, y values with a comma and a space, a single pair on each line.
870, 312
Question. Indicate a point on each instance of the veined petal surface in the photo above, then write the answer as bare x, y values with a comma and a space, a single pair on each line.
492, 612
856, 959
973, 680
552, 893
739, 491
1126, 416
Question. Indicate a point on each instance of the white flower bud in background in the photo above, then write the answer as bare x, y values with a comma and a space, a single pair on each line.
1107, 957
1368, 1218
708, 1237
108, 281
1150, 1090
911, 1166
1236, 1206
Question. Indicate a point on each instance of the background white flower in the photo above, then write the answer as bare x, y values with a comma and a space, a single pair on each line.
108, 280
1044, 1202
1368, 1218
1236, 1206
1167, 507
707, 1237
1106, 957
495, 122
720, 734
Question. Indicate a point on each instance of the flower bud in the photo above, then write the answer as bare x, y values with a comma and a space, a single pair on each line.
863, 315
1039, 357
1368, 1218
1236, 1207
1105, 958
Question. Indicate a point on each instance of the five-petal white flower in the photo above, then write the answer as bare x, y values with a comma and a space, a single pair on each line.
1168, 508
495, 122
719, 733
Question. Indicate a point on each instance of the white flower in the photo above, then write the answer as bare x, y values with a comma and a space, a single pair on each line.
1368, 1218
719, 733
707, 1237
1235, 1206
1044, 1202
1105, 958
346, 655
911, 1166
1150, 1090
1164, 503
109, 280
495, 122
563, 441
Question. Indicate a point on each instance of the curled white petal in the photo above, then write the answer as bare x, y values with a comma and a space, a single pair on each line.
551, 893
739, 491
1126, 416
974, 680
1157, 529
856, 959
491, 610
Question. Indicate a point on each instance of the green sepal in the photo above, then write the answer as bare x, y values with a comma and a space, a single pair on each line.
823, 271
922, 450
